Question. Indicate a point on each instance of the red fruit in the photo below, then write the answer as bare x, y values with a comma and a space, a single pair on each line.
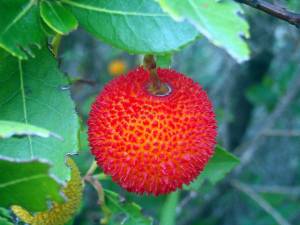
152, 144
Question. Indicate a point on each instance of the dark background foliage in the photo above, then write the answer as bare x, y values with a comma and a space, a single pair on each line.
245, 97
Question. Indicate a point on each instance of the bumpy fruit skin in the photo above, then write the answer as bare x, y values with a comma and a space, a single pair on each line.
151, 144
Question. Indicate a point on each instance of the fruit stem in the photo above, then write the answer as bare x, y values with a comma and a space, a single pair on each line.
155, 87
92, 168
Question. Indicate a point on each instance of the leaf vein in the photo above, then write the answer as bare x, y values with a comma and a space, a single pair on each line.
109, 11
58, 18
19, 16
24, 105
21, 180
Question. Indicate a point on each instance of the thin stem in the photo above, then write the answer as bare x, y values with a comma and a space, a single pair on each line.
183, 203
282, 133
292, 191
101, 176
93, 180
260, 201
92, 169
83, 81
251, 147
98, 187
273, 10
150, 64
155, 87
55, 43
101, 197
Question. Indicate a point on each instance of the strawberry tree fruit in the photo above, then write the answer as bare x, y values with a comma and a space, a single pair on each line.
152, 141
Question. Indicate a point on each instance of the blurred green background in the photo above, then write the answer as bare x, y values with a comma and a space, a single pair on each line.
253, 109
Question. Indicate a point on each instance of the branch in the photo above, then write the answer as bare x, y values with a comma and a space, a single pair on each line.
275, 189
273, 10
250, 148
191, 195
101, 197
282, 133
261, 202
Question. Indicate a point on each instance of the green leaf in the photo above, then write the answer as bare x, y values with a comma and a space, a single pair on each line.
164, 61
218, 166
58, 17
11, 128
123, 212
5, 217
27, 184
137, 26
20, 27
4, 213
47, 30
4, 221
217, 20
35, 92
168, 213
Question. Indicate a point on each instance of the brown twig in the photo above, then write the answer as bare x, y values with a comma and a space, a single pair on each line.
101, 197
274, 10
98, 187
93, 180
84, 81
